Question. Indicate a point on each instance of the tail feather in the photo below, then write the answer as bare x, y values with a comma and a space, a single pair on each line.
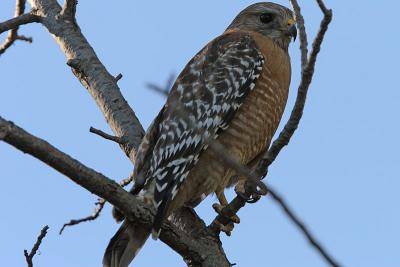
125, 245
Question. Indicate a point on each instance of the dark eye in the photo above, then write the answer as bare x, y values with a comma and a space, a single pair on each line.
266, 17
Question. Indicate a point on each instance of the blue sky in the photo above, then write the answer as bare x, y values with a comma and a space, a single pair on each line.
339, 173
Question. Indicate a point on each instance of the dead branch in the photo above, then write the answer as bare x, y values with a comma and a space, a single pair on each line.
18, 21
101, 201
198, 247
87, 67
29, 256
107, 136
118, 77
97, 211
302, 32
99, 207
13, 24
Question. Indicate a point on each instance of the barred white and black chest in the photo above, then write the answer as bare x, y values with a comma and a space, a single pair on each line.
203, 104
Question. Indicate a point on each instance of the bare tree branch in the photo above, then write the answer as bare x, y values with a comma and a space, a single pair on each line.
322, 6
29, 256
101, 201
302, 227
87, 67
198, 247
24, 38
118, 77
99, 207
97, 211
13, 24
115, 139
18, 21
302, 32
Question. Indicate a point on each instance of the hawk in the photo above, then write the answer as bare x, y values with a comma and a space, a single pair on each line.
234, 91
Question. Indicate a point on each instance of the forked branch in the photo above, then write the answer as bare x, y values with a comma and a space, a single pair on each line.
12, 26
29, 256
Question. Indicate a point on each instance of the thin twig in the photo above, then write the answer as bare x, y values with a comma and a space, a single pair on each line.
101, 202
99, 207
107, 136
97, 211
13, 25
322, 6
302, 227
24, 38
29, 256
303, 33
118, 77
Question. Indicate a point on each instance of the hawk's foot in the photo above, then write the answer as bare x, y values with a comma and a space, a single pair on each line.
226, 228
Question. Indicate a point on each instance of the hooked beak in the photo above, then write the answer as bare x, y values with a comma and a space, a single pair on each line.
293, 32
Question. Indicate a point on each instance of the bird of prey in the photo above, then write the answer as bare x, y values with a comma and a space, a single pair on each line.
233, 91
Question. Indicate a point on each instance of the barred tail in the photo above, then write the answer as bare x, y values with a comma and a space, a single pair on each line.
125, 244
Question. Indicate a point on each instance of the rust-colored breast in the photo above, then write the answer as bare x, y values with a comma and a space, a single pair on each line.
252, 128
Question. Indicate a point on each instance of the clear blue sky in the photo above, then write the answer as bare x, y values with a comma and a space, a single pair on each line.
340, 172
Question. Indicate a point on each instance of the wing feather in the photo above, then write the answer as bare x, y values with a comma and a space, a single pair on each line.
201, 104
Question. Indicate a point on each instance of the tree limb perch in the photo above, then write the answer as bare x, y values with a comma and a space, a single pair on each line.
194, 246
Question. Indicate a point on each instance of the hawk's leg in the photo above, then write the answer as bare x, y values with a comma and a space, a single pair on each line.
223, 202
240, 189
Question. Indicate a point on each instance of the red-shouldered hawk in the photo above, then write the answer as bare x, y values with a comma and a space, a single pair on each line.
234, 90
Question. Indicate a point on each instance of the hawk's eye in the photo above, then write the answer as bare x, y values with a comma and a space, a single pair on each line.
266, 17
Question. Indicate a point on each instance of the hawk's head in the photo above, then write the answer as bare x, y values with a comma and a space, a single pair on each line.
270, 19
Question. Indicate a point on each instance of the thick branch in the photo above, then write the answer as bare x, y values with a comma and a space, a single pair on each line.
107, 136
195, 246
87, 67
18, 21
29, 256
